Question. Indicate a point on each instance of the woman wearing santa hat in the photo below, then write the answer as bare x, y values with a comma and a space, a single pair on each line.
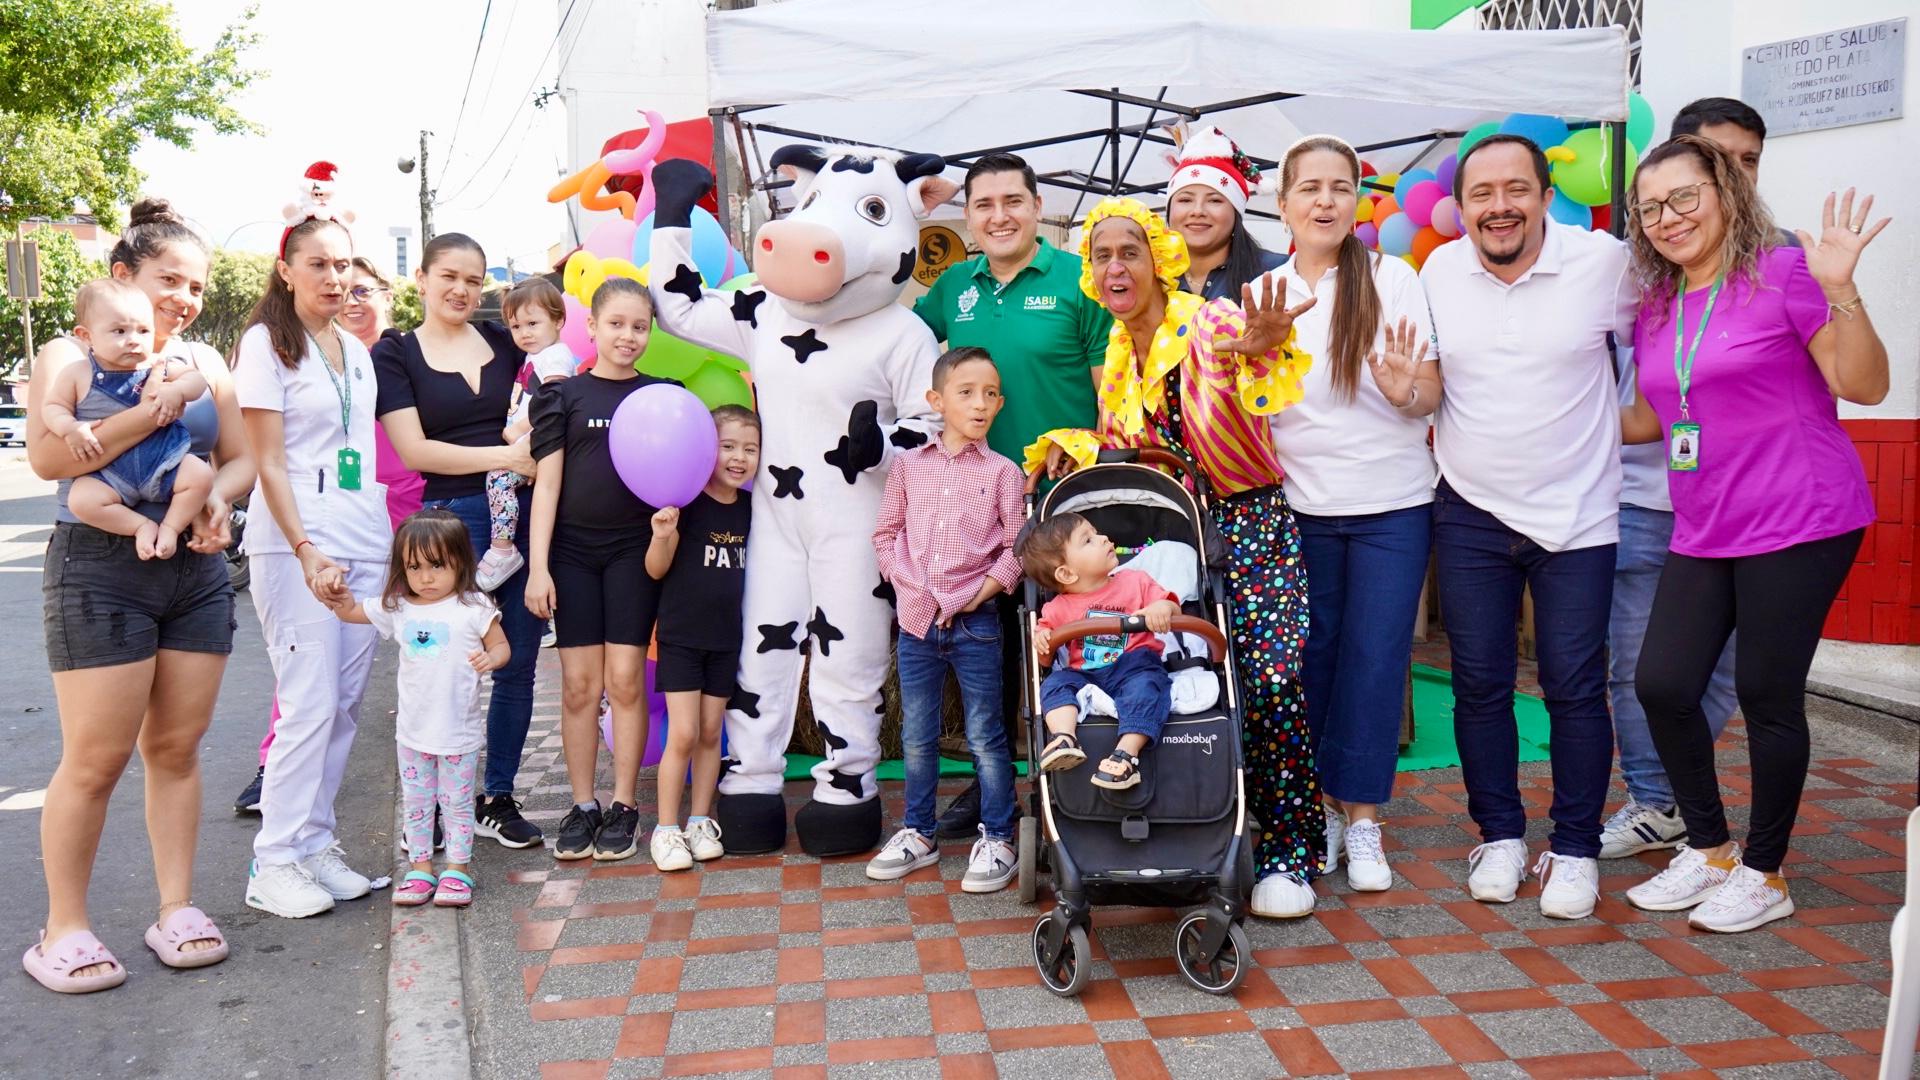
1206, 204
318, 532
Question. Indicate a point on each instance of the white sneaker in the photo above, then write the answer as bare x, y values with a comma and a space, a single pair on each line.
1637, 827
1569, 885
1282, 896
703, 839
331, 872
1747, 900
1336, 835
496, 566
1496, 869
285, 890
905, 852
669, 849
991, 865
1688, 880
1367, 869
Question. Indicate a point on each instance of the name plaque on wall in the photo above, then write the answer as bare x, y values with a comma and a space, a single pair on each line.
1827, 80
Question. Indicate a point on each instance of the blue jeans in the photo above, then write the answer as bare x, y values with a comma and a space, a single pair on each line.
1138, 683
1364, 573
971, 648
1644, 537
1483, 567
511, 709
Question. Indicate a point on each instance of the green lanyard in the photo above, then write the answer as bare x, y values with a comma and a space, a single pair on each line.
1683, 365
342, 384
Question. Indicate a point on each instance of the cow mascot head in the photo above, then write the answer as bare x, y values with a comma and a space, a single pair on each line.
840, 372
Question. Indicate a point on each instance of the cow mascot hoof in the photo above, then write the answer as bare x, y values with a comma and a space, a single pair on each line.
834, 829
751, 824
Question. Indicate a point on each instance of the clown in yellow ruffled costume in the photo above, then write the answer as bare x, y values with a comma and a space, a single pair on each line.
1188, 389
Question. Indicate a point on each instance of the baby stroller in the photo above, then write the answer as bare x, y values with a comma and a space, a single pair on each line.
1179, 838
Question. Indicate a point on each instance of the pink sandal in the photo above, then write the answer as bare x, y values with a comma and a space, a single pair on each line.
52, 966
168, 937
456, 890
414, 890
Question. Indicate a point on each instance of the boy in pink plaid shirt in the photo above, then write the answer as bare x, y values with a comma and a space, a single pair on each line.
944, 538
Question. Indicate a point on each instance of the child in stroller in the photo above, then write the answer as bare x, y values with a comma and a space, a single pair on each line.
1178, 836
1068, 553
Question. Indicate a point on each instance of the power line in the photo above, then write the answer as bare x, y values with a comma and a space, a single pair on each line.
472, 66
525, 97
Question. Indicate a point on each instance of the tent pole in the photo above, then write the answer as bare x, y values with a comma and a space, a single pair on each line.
1113, 107
1617, 136
717, 118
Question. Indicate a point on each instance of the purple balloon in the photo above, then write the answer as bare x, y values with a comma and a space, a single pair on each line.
663, 444
1368, 233
1443, 172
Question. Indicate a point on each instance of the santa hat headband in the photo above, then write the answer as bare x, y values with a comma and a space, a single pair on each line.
1209, 159
314, 202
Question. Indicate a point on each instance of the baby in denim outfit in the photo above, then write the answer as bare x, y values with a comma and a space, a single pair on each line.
115, 321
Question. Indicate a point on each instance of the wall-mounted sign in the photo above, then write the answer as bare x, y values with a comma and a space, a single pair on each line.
940, 247
1827, 80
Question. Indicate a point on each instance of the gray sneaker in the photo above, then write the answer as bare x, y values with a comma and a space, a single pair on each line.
991, 866
906, 852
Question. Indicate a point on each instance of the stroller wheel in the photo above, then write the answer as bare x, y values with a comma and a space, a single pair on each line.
1224, 970
1029, 858
1067, 974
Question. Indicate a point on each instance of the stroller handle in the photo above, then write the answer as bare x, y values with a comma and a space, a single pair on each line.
1160, 457
1135, 624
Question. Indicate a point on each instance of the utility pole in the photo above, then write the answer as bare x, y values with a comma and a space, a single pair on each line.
426, 195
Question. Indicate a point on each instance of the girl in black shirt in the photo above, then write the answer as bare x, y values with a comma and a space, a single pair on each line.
587, 571
444, 393
700, 556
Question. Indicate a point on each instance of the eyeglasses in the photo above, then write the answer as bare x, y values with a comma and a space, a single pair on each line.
1681, 201
360, 294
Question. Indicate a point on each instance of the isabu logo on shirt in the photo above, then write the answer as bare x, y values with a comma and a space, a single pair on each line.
1042, 303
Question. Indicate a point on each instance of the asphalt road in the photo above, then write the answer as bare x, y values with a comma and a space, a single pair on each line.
295, 998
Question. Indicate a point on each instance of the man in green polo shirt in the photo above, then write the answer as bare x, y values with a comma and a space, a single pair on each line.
1020, 300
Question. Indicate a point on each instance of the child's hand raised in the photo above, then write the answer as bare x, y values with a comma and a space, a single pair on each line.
666, 522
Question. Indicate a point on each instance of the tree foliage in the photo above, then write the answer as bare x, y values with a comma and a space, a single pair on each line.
63, 269
235, 280
86, 83
406, 314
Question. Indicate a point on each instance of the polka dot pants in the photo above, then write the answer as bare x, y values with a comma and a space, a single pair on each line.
1267, 588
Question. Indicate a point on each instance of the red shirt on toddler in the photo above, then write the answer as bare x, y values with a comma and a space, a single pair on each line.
1126, 592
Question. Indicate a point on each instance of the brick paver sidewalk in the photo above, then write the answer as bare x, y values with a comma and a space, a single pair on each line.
791, 967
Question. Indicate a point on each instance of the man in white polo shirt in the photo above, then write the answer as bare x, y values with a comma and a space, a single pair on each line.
1528, 443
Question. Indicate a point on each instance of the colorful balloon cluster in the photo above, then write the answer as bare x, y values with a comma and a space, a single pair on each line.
619, 248
664, 436
1410, 214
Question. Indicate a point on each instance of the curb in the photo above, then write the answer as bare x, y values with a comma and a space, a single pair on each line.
427, 1035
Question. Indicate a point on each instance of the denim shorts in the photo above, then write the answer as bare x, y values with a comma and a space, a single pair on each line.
105, 606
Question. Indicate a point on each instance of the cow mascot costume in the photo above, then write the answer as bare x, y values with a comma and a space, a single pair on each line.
841, 372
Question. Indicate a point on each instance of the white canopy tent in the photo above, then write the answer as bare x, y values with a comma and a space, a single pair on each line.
1083, 89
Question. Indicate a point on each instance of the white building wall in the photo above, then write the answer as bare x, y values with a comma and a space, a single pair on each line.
1692, 49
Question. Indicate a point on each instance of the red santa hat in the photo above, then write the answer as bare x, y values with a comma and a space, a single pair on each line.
1210, 159
313, 202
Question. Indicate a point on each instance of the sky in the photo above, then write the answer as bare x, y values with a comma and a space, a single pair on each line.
353, 82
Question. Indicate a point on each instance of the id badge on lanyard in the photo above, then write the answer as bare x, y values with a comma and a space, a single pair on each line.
347, 463
1683, 438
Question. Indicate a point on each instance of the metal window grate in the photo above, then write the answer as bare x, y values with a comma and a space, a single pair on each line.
1568, 15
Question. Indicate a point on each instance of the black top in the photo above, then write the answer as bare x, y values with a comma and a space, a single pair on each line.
576, 415
450, 411
700, 599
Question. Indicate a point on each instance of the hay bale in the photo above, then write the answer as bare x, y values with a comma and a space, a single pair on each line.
953, 721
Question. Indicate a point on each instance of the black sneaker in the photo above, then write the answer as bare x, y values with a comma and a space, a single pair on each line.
499, 818
577, 831
962, 819
619, 835
249, 800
